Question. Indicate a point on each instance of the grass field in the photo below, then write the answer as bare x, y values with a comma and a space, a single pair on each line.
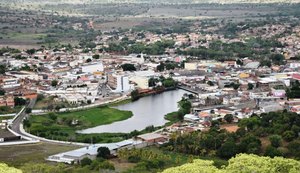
98, 116
62, 127
9, 110
20, 154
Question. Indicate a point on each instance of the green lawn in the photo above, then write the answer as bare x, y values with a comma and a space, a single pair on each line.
6, 118
9, 110
17, 155
62, 127
172, 118
98, 116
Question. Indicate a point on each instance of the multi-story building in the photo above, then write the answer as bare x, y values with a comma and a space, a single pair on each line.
118, 83
9, 83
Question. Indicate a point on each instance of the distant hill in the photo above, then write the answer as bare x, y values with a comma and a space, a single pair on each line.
151, 1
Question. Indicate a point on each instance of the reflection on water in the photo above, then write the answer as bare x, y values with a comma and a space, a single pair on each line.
146, 111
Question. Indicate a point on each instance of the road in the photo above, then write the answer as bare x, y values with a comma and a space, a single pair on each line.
16, 123
16, 127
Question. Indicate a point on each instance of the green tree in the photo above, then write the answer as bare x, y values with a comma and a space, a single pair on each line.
169, 82
89, 60
54, 83
85, 161
103, 152
2, 92
275, 140
128, 67
250, 144
228, 150
239, 62
277, 59
2, 69
210, 83
161, 67
135, 95
96, 56
267, 63
228, 118
250, 86
288, 135
185, 105
28, 110
30, 51
19, 101
294, 149
272, 151
4, 168
152, 82
242, 163
106, 165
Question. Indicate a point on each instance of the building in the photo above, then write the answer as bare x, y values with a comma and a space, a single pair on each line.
190, 66
191, 118
152, 138
7, 101
10, 83
25, 75
75, 156
118, 83
93, 67
140, 81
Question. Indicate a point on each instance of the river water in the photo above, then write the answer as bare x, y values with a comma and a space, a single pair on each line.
146, 111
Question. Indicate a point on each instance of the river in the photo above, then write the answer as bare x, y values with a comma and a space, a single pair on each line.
149, 110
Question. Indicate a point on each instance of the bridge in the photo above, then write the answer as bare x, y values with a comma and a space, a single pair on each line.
188, 89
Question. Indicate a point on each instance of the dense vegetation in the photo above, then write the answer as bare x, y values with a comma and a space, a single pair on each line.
271, 134
243, 164
253, 48
294, 90
155, 160
6, 169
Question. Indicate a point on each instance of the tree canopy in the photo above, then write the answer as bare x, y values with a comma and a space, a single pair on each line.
6, 169
242, 163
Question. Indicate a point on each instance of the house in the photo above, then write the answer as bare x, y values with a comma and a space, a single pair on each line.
92, 67
152, 138
7, 101
191, 118
271, 107
91, 151
205, 116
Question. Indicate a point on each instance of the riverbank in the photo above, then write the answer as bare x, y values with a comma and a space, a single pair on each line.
61, 132
64, 126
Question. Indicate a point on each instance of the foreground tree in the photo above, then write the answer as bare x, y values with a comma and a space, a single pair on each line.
242, 163
6, 169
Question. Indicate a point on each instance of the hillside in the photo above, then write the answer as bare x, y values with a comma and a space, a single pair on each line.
242, 163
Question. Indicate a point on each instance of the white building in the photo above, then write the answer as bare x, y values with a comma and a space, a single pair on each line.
25, 75
119, 83
141, 78
93, 67
140, 81
10, 83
